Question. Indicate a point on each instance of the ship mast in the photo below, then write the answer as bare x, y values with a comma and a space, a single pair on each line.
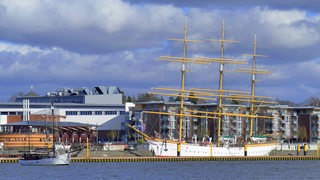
221, 72
53, 131
183, 93
253, 71
253, 79
183, 71
220, 84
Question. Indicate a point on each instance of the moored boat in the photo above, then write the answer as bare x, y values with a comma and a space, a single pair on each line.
45, 157
58, 154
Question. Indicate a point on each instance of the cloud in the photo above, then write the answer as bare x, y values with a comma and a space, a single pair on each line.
115, 42
86, 26
236, 4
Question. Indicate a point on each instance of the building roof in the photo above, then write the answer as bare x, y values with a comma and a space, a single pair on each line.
44, 123
31, 94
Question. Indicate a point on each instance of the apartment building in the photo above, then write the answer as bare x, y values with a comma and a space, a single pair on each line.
281, 122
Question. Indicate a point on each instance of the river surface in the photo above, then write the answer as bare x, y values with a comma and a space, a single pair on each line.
168, 170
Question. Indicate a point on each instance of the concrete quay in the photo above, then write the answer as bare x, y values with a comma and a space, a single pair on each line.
145, 156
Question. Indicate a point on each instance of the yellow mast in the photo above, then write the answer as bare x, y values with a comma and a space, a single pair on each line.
183, 70
253, 71
183, 60
221, 70
252, 86
220, 85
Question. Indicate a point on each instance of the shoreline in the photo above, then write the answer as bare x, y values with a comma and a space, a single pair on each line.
140, 152
117, 156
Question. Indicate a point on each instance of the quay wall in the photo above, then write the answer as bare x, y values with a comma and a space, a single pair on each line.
180, 159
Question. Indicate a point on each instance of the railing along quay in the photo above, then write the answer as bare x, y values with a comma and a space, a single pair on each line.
179, 159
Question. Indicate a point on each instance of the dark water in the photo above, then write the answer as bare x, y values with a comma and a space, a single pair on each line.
168, 170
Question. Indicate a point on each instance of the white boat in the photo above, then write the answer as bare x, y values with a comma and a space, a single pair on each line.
45, 158
57, 155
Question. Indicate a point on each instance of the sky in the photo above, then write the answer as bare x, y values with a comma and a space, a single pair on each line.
46, 45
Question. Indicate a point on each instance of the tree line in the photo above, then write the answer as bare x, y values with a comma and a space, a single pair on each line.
146, 97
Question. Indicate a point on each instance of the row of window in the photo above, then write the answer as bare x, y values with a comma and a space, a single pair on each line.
75, 113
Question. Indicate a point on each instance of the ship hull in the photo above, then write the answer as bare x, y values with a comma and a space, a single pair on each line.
170, 149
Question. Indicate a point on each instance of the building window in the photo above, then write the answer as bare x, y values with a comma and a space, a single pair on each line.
111, 112
85, 112
98, 112
71, 113
121, 113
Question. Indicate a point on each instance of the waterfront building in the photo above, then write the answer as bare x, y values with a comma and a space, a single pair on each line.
98, 95
101, 109
308, 123
285, 124
196, 127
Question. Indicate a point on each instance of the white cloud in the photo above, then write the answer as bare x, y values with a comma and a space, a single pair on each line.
289, 29
19, 49
116, 42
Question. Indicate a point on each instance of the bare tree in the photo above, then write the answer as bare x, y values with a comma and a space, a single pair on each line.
314, 101
286, 102
14, 96
145, 97
302, 134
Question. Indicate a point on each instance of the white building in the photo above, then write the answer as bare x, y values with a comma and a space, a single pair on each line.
102, 106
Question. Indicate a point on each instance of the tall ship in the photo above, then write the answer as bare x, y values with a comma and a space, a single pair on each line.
169, 146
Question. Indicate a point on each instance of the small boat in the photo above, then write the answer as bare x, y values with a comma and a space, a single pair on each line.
45, 157
57, 155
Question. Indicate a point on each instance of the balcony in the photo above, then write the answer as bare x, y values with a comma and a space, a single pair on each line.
234, 127
295, 128
225, 128
283, 121
282, 128
165, 126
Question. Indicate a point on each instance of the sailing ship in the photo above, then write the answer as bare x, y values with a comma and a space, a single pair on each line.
178, 147
58, 154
